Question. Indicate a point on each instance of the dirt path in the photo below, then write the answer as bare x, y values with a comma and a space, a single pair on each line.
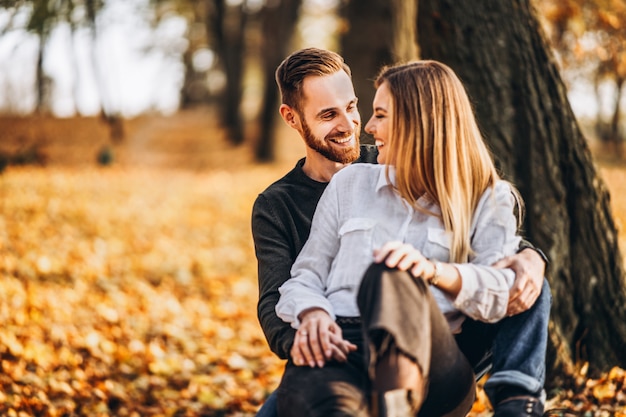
189, 140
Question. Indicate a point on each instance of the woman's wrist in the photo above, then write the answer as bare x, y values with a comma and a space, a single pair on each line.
437, 272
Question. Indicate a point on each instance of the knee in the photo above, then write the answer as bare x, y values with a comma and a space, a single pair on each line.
375, 271
383, 283
544, 301
379, 274
372, 279
330, 398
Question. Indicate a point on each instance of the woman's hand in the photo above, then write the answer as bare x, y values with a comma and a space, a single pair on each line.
319, 339
405, 257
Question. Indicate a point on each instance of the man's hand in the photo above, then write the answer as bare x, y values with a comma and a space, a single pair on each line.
529, 270
318, 340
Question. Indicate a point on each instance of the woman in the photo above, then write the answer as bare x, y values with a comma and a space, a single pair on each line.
441, 214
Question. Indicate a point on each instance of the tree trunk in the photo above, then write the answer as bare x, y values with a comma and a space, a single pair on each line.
278, 22
227, 25
40, 23
498, 50
112, 118
194, 90
366, 47
404, 15
380, 32
616, 135
40, 79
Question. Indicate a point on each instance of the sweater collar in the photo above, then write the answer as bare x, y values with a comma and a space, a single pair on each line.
300, 172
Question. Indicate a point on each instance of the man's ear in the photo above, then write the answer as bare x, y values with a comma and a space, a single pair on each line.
289, 115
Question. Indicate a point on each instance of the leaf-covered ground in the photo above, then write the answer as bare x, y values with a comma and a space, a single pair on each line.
131, 291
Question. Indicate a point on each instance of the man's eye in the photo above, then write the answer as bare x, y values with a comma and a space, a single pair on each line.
328, 116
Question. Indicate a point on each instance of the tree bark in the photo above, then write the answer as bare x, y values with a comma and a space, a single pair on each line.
498, 50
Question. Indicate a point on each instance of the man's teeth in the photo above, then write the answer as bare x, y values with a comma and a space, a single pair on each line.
344, 140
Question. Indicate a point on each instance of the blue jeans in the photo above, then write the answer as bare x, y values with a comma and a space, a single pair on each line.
519, 350
269, 408
516, 345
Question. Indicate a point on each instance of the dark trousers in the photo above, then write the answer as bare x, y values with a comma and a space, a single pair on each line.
397, 311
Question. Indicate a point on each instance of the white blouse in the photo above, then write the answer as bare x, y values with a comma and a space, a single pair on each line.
359, 212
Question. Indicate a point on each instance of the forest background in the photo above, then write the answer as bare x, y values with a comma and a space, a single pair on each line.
128, 272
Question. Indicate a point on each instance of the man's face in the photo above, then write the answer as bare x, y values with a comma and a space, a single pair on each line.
329, 118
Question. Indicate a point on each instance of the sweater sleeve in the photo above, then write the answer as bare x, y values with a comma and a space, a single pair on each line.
274, 257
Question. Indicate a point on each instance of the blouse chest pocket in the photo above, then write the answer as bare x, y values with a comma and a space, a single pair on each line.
355, 253
438, 244
357, 235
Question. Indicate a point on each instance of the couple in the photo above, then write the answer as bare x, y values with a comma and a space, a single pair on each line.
392, 309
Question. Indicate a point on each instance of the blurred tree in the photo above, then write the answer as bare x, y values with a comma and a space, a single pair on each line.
226, 24
110, 116
376, 33
194, 90
279, 19
41, 21
499, 52
366, 45
44, 16
590, 35
12, 7
218, 26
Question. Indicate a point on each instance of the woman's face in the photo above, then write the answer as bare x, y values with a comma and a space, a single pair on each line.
379, 124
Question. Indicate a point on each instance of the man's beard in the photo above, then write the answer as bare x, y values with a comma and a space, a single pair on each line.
343, 155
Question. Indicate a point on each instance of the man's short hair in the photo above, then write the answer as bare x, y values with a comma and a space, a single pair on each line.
304, 63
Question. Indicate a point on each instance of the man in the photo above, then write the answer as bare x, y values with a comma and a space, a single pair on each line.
320, 104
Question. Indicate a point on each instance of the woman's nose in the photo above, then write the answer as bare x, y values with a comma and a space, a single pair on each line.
369, 127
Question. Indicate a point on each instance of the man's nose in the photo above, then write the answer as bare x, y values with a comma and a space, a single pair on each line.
348, 122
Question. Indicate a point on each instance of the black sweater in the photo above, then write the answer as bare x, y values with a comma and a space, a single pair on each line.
281, 222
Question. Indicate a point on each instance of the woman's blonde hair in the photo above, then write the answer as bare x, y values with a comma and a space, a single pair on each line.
436, 146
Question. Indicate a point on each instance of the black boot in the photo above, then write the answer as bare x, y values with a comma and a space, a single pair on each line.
520, 406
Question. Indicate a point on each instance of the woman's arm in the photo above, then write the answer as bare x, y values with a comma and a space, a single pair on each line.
309, 274
303, 301
484, 291
475, 288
